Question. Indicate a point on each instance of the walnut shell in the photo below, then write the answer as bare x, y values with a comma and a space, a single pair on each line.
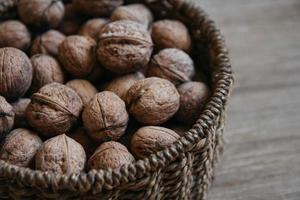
105, 117
78, 56
134, 12
151, 139
193, 97
171, 34
153, 100
124, 46
47, 13
172, 64
6, 117
110, 155
72, 21
16, 73
54, 110
97, 8
45, 70
15, 34
84, 89
92, 27
19, 108
20, 147
61, 155
47, 43
122, 84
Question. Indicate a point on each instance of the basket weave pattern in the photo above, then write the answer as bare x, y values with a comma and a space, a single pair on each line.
182, 171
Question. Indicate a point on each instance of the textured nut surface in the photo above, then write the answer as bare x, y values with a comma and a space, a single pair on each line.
15, 73
98, 8
46, 70
72, 20
62, 155
172, 64
151, 139
78, 56
92, 27
20, 147
105, 117
193, 97
171, 34
122, 84
6, 117
47, 43
110, 155
134, 12
153, 100
124, 46
19, 108
41, 13
54, 109
14, 33
84, 89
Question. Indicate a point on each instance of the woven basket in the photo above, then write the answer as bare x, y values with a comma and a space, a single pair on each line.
182, 171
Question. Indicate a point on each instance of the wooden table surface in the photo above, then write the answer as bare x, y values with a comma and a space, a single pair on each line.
262, 157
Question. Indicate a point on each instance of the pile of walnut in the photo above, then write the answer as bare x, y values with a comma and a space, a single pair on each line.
94, 90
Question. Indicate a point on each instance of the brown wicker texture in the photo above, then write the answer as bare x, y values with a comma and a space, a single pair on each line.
182, 171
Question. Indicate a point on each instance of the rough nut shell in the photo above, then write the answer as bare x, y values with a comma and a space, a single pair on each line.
19, 108
92, 27
6, 117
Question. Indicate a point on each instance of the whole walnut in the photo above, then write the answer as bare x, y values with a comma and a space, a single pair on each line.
47, 43
151, 139
122, 84
78, 55
152, 101
105, 117
41, 13
92, 27
19, 108
172, 64
54, 109
135, 12
6, 117
110, 155
124, 46
16, 73
20, 147
62, 155
171, 34
193, 97
15, 34
84, 89
46, 70
72, 20
98, 8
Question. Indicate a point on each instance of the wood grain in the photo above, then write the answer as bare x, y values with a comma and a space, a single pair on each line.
262, 157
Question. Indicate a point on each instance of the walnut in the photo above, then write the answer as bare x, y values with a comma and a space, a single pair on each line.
84, 89
110, 155
134, 12
172, 64
153, 100
62, 155
16, 73
20, 147
78, 56
6, 117
98, 8
122, 84
72, 21
124, 46
54, 110
105, 117
15, 34
92, 27
47, 43
41, 13
171, 34
45, 70
151, 139
19, 108
193, 97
